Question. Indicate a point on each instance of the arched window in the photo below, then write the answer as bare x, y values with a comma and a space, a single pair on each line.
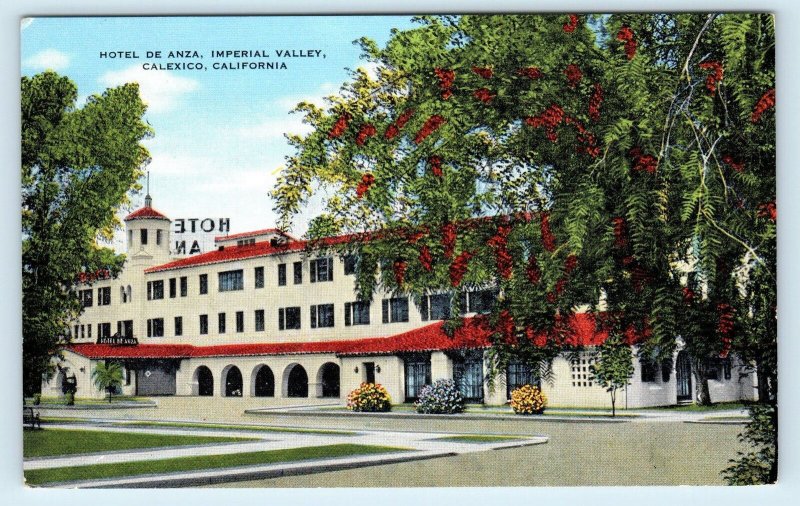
264, 382
204, 381
123, 295
297, 385
233, 382
130, 295
329, 379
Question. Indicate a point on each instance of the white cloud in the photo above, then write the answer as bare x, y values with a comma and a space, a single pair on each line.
159, 89
49, 59
274, 128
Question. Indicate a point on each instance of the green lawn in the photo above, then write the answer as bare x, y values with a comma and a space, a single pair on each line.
479, 438
696, 407
99, 471
53, 442
191, 425
80, 401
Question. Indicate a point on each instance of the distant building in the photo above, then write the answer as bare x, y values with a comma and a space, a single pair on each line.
264, 316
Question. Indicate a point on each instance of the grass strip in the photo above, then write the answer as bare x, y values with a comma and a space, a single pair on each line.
479, 438
56, 442
192, 425
180, 464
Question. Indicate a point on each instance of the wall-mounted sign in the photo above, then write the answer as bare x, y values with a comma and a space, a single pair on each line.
118, 340
202, 229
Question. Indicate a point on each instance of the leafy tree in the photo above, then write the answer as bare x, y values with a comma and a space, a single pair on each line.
614, 367
78, 165
107, 376
759, 464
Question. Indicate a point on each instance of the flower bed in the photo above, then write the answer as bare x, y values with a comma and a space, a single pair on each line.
369, 397
442, 397
528, 400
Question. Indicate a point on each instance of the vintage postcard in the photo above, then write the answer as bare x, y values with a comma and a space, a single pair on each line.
366, 251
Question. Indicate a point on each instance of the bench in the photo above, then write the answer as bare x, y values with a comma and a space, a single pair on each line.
31, 418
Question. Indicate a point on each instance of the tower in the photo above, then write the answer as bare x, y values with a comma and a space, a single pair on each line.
147, 233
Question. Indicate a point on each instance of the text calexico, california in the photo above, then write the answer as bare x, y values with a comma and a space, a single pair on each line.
222, 59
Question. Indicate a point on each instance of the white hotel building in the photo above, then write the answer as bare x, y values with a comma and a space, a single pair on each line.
262, 316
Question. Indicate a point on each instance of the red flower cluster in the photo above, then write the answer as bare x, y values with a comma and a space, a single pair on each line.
626, 35
620, 232
643, 163
571, 25
725, 325
715, 77
484, 95
550, 119
367, 131
399, 267
574, 74
539, 339
459, 267
587, 139
570, 264
768, 210
431, 125
449, 239
548, 240
425, 258
415, 237
595, 101
688, 295
532, 271
767, 101
737, 166
339, 127
499, 243
530, 72
553, 296
484, 72
505, 326
395, 127
446, 78
363, 186
436, 165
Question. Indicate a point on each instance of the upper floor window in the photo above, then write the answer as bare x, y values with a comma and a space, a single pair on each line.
321, 269
478, 301
288, 318
281, 274
221, 323
130, 238
259, 277
184, 286
203, 324
143, 236
159, 234
239, 321
104, 329
350, 262
104, 296
155, 289
321, 315
155, 327
356, 313
435, 307
246, 242
173, 288
298, 273
125, 328
394, 310
231, 280
86, 297
203, 284
123, 295
178, 325
259, 324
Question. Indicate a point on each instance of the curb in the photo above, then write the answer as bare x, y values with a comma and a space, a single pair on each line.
97, 406
460, 416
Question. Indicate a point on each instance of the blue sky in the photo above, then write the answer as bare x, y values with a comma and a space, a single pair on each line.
218, 142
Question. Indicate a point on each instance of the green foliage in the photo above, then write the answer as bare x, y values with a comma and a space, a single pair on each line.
78, 166
614, 367
107, 376
759, 465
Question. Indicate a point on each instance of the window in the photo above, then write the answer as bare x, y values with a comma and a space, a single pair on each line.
418, 374
104, 296
726, 367
356, 313
288, 318
123, 295
155, 290
435, 307
478, 301
86, 297
322, 315
203, 324
179, 325
159, 233
125, 328
468, 375
184, 286
76, 334
298, 273
259, 277
173, 288
88, 331
581, 370
649, 370
281, 274
221, 323
103, 330
130, 238
321, 269
155, 327
203, 284
350, 262
259, 320
395, 310
246, 242
231, 280
666, 369
239, 321
519, 374
143, 236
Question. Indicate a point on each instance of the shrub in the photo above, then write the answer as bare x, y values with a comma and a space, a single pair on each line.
37, 399
441, 397
369, 397
528, 400
69, 399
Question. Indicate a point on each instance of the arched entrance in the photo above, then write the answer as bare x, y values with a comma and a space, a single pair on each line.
329, 379
263, 382
233, 382
204, 381
683, 377
297, 385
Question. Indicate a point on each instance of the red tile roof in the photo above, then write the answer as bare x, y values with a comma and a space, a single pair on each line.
475, 333
248, 234
146, 213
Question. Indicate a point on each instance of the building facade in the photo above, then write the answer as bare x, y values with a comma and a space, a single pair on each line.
263, 316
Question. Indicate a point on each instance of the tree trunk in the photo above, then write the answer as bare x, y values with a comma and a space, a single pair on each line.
700, 373
613, 403
763, 381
